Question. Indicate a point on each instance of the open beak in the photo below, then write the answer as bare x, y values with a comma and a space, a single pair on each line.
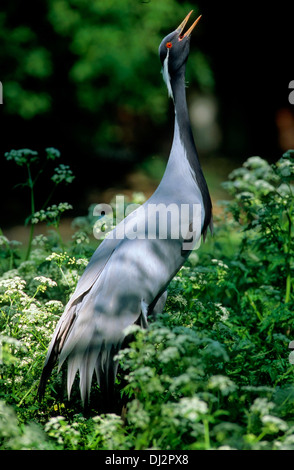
183, 24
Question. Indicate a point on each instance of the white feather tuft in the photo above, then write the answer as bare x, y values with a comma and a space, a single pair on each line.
166, 75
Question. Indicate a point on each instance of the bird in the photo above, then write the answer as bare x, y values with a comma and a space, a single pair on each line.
126, 279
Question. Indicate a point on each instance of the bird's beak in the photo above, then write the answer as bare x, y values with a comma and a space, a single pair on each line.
183, 24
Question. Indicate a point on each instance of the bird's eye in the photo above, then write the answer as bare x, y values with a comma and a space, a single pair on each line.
169, 45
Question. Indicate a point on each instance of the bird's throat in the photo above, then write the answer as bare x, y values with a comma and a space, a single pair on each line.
182, 118
183, 131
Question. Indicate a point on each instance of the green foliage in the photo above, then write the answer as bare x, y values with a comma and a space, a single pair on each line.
100, 35
26, 61
212, 372
35, 168
110, 51
264, 204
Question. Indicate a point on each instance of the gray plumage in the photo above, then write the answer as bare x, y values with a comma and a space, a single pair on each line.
126, 279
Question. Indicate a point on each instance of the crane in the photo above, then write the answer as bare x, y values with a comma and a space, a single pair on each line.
126, 280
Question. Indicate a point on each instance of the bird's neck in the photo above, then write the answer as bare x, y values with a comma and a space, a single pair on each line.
183, 131
180, 103
184, 140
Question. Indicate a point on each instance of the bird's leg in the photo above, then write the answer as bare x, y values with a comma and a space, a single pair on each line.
157, 307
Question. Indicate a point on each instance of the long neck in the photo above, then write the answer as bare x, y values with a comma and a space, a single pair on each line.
180, 104
182, 119
183, 132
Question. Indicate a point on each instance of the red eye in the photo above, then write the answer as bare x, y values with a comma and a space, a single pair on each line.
169, 45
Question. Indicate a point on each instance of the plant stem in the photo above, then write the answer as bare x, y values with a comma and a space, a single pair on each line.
48, 198
28, 392
288, 288
32, 227
206, 434
288, 254
64, 276
59, 236
259, 316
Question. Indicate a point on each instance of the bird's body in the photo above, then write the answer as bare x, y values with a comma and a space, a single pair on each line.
127, 277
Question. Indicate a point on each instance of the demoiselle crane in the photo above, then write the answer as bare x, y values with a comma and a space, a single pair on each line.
126, 279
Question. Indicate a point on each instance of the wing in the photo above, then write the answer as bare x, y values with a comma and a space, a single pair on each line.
81, 301
136, 274
85, 283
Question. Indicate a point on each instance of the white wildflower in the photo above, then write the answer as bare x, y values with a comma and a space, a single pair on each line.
264, 185
262, 406
223, 311
222, 383
169, 354
273, 424
3, 240
220, 263
15, 283
54, 306
255, 162
191, 408
82, 262
45, 281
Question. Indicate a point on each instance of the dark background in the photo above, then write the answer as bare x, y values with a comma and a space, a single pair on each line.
249, 46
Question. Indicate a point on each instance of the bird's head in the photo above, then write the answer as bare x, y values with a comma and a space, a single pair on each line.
175, 47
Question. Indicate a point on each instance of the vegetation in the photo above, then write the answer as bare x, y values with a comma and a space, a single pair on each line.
213, 371
88, 51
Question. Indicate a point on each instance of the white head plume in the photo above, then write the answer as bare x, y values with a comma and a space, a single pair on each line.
166, 75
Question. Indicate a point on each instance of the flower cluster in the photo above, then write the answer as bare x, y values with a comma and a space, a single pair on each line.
22, 157
52, 153
63, 173
51, 215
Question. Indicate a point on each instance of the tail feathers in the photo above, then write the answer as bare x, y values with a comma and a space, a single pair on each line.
85, 354
85, 364
62, 330
106, 367
98, 358
47, 369
50, 362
